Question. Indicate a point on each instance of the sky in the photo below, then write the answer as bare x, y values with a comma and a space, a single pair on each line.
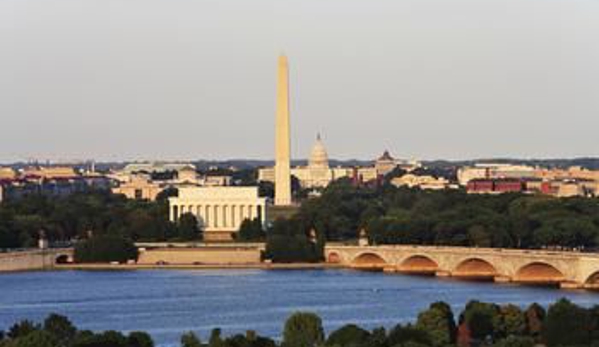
115, 80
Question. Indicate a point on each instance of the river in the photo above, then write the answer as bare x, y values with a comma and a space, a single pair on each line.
166, 303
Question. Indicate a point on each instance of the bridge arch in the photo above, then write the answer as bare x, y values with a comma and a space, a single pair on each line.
419, 264
592, 281
475, 268
539, 273
63, 258
369, 261
333, 257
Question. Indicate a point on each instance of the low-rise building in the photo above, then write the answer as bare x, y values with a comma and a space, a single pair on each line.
7, 173
50, 172
216, 180
425, 182
139, 187
495, 186
494, 171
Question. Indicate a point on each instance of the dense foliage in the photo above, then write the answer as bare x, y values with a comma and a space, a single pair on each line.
290, 241
75, 216
480, 324
104, 249
251, 230
410, 216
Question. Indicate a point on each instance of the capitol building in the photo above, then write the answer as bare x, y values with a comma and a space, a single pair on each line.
318, 173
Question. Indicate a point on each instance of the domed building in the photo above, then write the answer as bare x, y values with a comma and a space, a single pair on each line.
319, 159
318, 173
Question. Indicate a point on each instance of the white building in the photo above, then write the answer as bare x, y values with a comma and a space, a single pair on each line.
219, 210
494, 171
425, 182
318, 173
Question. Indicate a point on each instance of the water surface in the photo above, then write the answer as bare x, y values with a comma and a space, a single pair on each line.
166, 303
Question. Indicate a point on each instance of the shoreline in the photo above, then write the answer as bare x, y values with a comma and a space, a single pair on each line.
255, 266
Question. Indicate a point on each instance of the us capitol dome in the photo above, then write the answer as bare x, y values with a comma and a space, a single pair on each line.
319, 159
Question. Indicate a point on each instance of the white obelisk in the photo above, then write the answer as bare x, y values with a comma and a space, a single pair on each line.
282, 137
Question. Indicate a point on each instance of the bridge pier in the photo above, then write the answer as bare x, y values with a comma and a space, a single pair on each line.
571, 285
442, 273
502, 279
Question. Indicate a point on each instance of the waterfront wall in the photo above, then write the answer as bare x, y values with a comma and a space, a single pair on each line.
200, 255
34, 259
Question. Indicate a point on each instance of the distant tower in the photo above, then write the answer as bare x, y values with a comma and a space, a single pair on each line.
42, 242
363, 238
282, 137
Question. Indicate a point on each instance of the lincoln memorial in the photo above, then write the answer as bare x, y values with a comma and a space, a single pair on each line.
219, 210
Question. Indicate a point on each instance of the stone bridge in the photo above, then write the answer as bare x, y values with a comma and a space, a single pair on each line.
35, 259
566, 269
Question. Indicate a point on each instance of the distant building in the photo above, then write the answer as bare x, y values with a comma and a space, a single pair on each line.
423, 182
187, 175
557, 188
139, 187
575, 172
494, 171
495, 186
216, 180
219, 210
7, 173
318, 173
50, 172
150, 167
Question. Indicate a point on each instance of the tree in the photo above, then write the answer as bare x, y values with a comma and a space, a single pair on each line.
190, 339
22, 328
287, 241
61, 328
8, 239
464, 335
167, 193
515, 341
215, 338
535, 314
408, 334
105, 339
38, 338
103, 249
251, 230
439, 323
303, 329
139, 339
188, 227
482, 319
347, 336
566, 324
512, 321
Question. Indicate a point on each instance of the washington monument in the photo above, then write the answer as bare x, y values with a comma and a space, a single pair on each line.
282, 138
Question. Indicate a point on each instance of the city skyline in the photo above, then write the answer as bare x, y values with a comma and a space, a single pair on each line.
423, 80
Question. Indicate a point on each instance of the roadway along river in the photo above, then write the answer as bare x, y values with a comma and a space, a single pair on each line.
166, 303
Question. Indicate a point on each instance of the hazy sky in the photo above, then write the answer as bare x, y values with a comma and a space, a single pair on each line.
190, 79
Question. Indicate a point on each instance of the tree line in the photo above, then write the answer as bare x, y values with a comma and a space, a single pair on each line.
394, 215
390, 215
480, 324
103, 225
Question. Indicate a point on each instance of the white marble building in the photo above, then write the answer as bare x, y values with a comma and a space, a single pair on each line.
219, 210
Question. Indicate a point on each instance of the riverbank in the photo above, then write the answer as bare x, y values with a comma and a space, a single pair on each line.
257, 266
